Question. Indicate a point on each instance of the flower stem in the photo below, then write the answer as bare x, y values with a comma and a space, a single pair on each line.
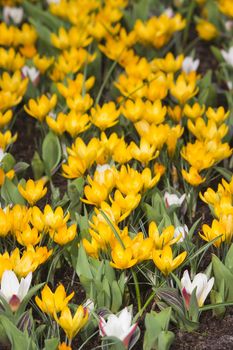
139, 314
137, 290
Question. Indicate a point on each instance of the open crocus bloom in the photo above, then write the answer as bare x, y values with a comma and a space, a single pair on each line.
202, 285
173, 199
13, 291
118, 326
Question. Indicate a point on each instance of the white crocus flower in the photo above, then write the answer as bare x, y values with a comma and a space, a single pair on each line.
13, 291
169, 12
228, 56
202, 285
173, 199
32, 73
190, 65
118, 326
89, 305
181, 231
13, 13
229, 25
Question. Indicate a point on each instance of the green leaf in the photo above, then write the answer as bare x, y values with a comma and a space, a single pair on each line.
10, 193
83, 267
37, 166
51, 152
20, 167
165, 340
229, 259
18, 340
51, 344
116, 297
221, 272
8, 162
227, 174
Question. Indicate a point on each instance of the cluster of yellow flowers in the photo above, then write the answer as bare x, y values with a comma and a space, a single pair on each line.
57, 302
221, 203
29, 227
208, 148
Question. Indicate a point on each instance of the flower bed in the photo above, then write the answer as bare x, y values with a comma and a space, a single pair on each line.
116, 174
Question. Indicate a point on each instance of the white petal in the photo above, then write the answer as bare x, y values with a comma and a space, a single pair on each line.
24, 286
125, 318
113, 327
199, 281
9, 284
206, 291
186, 282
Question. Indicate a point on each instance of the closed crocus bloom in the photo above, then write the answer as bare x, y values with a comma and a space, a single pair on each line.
200, 282
33, 190
13, 291
106, 116
119, 326
13, 13
37, 218
55, 219
72, 325
158, 87
181, 233
128, 202
217, 229
175, 113
195, 111
29, 236
6, 139
173, 199
20, 216
42, 63
129, 180
32, 73
41, 107
144, 152
76, 123
58, 124
102, 234
121, 153
154, 134
133, 110
5, 118
164, 260
50, 302
5, 222
189, 64
160, 240
169, 64
173, 136
5, 263
122, 258
79, 103
192, 176
206, 30
63, 234
183, 90
218, 115
95, 193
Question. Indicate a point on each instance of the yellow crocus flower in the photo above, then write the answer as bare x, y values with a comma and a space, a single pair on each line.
164, 260
206, 30
40, 107
72, 325
29, 236
58, 124
106, 116
217, 229
183, 90
192, 176
42, 63
33, 191
5, 118
122, 258
63, 234
50, 302
161, 240
55, 219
